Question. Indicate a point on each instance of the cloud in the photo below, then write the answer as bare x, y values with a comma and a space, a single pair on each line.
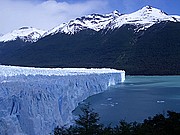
44, 15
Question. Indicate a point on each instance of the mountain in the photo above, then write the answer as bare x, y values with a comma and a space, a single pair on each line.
145, 42
26, 34
143, 19
94, 22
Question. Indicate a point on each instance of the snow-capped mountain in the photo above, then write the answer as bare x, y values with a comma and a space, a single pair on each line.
145, 42
94, 21
143, 19
27, 34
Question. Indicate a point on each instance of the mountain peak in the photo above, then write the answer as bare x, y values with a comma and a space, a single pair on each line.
27, 34
151, 10
148, 7
116, 12
151, 13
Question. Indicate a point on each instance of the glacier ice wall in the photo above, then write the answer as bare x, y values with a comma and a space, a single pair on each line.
35, 104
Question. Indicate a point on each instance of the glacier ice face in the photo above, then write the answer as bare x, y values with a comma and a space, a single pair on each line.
33, 101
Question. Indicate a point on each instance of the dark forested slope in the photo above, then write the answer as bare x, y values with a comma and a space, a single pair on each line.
150, 52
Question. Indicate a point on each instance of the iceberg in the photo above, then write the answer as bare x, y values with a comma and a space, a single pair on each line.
35, 100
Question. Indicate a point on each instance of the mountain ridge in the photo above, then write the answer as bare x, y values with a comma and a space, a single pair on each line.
143, 19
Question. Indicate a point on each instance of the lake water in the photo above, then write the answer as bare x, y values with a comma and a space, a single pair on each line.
136, 99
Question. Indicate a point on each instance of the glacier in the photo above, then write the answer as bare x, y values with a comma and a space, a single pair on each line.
35, 100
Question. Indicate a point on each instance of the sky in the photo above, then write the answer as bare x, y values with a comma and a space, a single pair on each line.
46, 14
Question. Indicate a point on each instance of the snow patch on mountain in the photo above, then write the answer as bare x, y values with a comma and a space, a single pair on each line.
33, 101
176, 17
27, 34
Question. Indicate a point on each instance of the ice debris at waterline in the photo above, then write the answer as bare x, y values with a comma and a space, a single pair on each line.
35, 100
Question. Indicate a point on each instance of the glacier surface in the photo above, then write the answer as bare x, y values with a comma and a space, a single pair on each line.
35, 100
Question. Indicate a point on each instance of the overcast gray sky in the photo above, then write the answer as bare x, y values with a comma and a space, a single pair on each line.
46, 14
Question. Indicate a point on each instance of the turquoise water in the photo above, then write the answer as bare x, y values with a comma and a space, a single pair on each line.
136, 99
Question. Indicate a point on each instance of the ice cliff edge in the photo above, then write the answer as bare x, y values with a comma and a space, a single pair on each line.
35, 100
